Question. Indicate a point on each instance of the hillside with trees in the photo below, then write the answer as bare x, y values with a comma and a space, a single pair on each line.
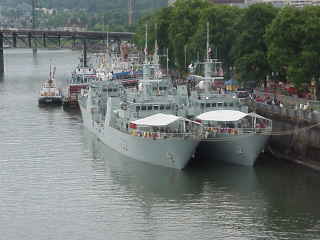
93, 14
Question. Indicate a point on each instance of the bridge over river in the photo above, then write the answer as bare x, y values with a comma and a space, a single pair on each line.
32, 37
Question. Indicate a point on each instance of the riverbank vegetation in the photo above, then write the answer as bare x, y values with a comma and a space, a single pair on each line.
97, 15
256, 43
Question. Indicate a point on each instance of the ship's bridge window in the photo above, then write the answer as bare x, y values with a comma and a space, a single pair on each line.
208, 105
150, 107
137, 108
220, 104
167, 107
161, 107
143, 108
214, 105
115, 89
156, 107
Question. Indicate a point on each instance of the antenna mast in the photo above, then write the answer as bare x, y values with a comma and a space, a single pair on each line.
131, 4
146, 46
207, 40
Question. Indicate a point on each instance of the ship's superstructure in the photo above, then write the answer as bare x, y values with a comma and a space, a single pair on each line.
81, 77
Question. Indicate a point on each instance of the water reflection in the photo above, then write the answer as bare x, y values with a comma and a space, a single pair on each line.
271, 200
147, 180
292, 196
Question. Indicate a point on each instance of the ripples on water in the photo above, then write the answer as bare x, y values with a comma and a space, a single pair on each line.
57, 181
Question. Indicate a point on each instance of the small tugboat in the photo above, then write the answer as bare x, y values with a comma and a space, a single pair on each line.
49, 93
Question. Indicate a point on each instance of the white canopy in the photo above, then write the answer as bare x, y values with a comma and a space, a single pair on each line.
158, 119
222, 116
253, 114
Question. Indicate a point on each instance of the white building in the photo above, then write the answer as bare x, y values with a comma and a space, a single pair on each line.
282, 3
170, 2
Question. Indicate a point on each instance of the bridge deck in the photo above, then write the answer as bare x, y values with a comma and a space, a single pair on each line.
67, 34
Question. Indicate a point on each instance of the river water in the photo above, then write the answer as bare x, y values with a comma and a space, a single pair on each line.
57, 181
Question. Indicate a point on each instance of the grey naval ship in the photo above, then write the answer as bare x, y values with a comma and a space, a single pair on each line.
144, 123
231, 134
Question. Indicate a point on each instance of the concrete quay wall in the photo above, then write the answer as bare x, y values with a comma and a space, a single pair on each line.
293, 139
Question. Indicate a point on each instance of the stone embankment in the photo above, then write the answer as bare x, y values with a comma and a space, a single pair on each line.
296, 131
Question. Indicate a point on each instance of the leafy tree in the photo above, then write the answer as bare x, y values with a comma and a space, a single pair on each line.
184, 23
294, 46
250, 49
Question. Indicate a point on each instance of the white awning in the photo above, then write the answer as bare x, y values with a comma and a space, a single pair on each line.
158, 119
253, 114
222, 116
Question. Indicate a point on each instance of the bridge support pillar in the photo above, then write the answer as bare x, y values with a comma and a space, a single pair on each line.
85, 53
59, 41
29, 40
14, 40
44, 40
73, 42
1, 54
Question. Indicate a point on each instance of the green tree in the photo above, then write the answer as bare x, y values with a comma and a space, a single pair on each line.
250, 49
184, 23
294, 48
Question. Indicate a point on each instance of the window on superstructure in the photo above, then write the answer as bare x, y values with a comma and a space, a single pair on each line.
208, 105
143, 108
225, 104
231, 104
161, 107
137, 108
150, 108
214, 105
220, 104
156, 107
202, 105
168, 107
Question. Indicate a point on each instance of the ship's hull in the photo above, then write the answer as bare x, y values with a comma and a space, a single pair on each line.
240, 150
49, 100
170, 152
70, 104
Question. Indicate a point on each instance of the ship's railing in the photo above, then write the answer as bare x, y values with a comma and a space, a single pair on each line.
210, 132
162, 135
